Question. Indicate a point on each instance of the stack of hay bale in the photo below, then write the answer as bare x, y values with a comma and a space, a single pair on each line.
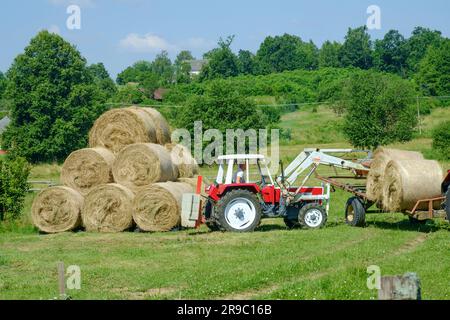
130, 174
398, 179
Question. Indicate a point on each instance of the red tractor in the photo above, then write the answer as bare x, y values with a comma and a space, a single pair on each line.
239, 207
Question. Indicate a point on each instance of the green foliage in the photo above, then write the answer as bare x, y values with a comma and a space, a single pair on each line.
418, 44
132, 94
246, 62
329, 54
286, 52
379, 109
182, 67
357, 49
162, 67
102, 79
13, 186
3, 84
223, 63
441, 140
183, 56
54, 100
135, 73
220, 107
433, 77
391, 53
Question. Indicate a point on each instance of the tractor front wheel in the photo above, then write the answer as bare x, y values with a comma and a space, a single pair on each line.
312, 216
447, 204
238, 211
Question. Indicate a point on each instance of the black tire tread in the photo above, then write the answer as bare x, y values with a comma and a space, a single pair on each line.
302, 213
359, 217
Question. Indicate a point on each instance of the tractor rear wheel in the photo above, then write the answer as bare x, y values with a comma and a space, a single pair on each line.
238, 211
355, 213
312, 216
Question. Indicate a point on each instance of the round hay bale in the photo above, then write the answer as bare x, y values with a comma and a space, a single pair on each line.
108, 208
141, 164
183, 160
382, 156
118, 128
87, 168
407, 181
57, 209
162, 127
157, 208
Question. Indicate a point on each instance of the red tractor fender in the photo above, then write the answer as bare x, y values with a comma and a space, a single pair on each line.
216, 192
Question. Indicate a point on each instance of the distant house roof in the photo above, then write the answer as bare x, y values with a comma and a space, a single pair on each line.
4, 123
197, 65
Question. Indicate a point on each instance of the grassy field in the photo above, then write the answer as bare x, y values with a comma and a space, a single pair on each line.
271, 263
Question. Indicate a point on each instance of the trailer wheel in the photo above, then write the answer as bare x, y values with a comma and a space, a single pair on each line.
312, 216
238, 211
355, 214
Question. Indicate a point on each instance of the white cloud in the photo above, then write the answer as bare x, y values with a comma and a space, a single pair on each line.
54, 29
153, 43
146, 43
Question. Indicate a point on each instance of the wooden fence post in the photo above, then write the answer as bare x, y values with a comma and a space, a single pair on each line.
406, 287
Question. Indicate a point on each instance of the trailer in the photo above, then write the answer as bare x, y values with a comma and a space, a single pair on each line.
359, 204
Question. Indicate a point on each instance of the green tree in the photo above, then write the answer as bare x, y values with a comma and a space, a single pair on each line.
329, 54
418, 44
3, 84
278, 54
433, 77
132, 94
391, 53
223, 63
102, 79
162, 66
307, 55
54, 100
441, 140
183, 56
246, 62
183, 67
135, 73
220, 107
357, 49
14, 174
379, 109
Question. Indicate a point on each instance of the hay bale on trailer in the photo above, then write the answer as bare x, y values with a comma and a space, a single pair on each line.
141, 164
157, 207
57, 209
118, 128
407, 181
382, 156
87, 168
108, 208
182, 158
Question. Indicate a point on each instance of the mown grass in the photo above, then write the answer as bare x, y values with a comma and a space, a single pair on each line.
271, 263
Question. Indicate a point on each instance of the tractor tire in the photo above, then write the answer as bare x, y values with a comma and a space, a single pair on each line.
312, 216
447, 204
355, 213
238, 211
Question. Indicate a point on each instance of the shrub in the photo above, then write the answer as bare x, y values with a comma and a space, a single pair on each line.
441, 140
13, 186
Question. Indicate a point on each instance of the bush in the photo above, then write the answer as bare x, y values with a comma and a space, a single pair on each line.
13, 186
379, 109
441, 140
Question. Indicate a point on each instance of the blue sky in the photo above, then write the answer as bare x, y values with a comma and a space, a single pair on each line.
120, 32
